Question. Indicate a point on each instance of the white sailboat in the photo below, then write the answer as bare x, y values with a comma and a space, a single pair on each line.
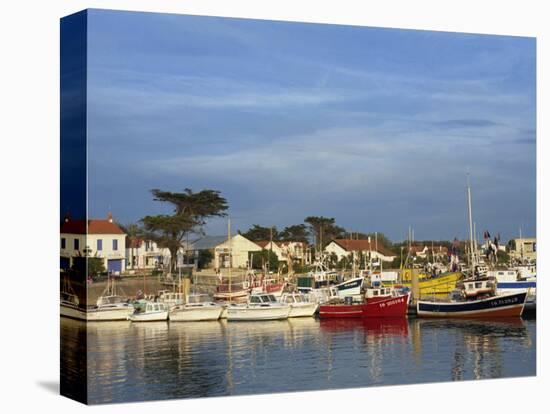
69, 303
109, 306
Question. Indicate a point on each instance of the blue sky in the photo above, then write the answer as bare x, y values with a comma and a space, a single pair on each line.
374, 127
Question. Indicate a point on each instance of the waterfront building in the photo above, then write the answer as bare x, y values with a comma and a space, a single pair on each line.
345, 247
145, 254
234, 252
524, 248
94, 238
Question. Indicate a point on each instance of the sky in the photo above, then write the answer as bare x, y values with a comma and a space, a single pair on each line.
375, 127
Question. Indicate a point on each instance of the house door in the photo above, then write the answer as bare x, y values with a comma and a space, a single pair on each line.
114, 265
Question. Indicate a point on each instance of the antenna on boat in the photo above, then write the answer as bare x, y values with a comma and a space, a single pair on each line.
472, 263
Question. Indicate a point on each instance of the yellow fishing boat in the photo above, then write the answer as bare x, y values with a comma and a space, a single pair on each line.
430, 286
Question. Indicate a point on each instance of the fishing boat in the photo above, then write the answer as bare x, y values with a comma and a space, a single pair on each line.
510, 281
109, 306
299, 305
441, 285
152, 312
376, 302
351, 287
228, 291
198, 307
509, 305
260, 307
394, 306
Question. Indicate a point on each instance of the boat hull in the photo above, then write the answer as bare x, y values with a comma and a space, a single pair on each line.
72, 312
113, 314
149, 317
200, 313
392, 307
298, 310
497, 306
340, 311
253, 313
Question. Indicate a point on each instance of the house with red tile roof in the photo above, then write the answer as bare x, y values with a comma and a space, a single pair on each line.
345, 247
94, 238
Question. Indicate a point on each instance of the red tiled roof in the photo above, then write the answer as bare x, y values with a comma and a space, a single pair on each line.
363, 245
94, 227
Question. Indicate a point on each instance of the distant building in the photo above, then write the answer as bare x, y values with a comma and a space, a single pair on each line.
145, 254
234, 252
93, 238
286, 249
524, 248
345, 247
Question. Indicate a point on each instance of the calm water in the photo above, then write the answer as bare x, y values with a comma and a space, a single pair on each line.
134, 362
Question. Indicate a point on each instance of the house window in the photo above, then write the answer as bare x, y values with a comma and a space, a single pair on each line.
99, 244
63, 243
76, 244
115, 244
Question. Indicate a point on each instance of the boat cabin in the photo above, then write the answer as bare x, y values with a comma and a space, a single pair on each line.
171, 298
290, 298
262, 299
153, 307
377, 292
198, 298
110, 300
473, 288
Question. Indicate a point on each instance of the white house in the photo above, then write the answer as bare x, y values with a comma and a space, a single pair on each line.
93, 238
286, 249
234, 252
344, 247
145, 254
525, 249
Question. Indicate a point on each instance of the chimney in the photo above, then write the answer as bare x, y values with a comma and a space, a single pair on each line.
110, 217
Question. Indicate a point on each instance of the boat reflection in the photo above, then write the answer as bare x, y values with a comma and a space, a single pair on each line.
374, 327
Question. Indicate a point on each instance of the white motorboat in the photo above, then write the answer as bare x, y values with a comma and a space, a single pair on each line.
198, 307
299, 305
260, 307
152, 312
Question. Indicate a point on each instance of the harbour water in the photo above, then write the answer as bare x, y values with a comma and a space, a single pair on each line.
160, 360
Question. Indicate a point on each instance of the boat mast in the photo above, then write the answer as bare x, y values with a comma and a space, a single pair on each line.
472, 264
229, 255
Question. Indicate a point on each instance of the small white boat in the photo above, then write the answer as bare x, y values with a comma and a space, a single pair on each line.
198, 307
153, 311
299, 305
69, 306
260, 307
110, 306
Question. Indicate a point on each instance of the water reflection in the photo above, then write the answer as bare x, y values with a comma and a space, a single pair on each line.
131, 362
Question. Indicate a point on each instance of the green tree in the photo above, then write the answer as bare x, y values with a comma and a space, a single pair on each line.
205, 258
190, 212
263, 257
324, 230
257, 233
297, 233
